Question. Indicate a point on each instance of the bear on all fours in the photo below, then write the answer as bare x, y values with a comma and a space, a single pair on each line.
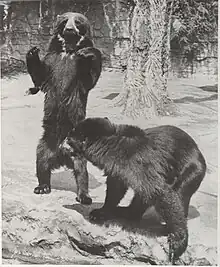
66, 74
163, 165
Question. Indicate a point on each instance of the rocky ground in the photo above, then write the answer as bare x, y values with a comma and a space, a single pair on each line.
54, 229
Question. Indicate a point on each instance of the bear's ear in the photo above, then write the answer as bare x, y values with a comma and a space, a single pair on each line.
71, 133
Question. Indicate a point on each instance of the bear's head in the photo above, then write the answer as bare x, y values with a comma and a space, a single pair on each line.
72, 29
86, 132
93, 128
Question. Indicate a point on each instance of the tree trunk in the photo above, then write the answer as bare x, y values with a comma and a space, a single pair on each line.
145, 84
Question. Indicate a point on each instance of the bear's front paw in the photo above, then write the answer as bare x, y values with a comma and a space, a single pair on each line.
84, 199
99, 215
33, 51
32, 91
42, 189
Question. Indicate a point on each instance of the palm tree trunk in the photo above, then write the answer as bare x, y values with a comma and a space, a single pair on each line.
145, 84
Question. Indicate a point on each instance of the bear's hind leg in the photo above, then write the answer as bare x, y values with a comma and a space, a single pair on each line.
192, 177
116, 190
79, 166
46, 161
171, 209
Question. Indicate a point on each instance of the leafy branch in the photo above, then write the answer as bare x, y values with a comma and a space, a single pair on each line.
194, 25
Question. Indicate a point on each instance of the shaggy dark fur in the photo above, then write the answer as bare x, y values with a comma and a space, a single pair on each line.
70, 69
163, 166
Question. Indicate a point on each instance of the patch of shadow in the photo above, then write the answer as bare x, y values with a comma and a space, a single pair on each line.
210, 88
111, 96
191, 99
17, 107
150, 223
193, 213
64, 180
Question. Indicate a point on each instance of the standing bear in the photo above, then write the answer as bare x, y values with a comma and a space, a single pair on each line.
163, 165
69, 70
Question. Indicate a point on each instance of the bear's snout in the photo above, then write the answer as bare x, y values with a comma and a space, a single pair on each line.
70, 27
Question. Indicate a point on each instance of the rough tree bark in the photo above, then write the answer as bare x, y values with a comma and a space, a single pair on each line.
145, 83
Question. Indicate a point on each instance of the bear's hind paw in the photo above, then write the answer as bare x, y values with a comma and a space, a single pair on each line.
99, 215
84, 199
42, 189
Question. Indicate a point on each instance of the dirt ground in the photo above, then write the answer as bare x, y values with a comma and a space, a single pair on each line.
21, 130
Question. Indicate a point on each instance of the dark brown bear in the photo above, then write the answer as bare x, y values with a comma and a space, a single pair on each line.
163, 165
68, 71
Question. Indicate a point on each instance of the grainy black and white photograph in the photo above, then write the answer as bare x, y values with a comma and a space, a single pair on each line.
109, 132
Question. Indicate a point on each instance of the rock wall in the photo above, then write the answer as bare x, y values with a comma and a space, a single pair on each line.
24, 24
30, 24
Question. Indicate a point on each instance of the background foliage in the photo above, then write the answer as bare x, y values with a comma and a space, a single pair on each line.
194, 26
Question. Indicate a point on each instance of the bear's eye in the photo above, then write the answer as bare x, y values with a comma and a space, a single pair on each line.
77, 22
82, 30
62, 25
